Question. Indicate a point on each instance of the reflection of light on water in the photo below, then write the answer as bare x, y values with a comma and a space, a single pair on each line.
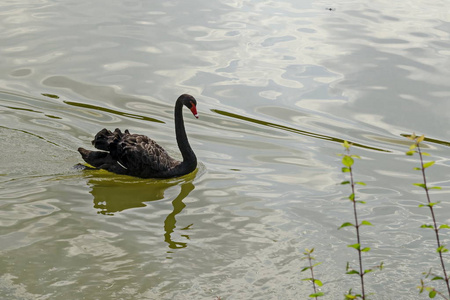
120, 65
270, 94
94, 243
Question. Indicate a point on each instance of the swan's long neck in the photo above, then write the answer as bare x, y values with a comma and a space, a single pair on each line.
189, 158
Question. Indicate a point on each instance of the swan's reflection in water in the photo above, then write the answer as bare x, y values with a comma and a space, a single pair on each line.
113, 194
170, 221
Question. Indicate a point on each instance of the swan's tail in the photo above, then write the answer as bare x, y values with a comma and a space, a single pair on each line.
95, 158
107, 159
102, 160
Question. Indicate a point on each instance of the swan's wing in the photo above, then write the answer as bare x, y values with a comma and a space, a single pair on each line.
139, 152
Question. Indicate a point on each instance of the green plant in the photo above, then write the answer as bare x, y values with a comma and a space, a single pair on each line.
415, 148
315, 282
348, 161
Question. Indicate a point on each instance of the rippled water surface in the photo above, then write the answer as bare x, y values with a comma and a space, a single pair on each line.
279, 84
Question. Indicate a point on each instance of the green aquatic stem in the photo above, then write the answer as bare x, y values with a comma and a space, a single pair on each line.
315, 282
348, 161
415, 148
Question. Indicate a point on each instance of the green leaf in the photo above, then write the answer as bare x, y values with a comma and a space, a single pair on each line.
437, 278
351, 197
366, 249
319, 294
346, 145
412, 147
426, 153
410, 153
429, 204
304, 269
345, 182
347, 161
427, 274
432, 294
345, 170
412, 136
355, 156
366, 223
307, 279
356, 246
362, 202
420, 139
444, 226
441, 249
346, 224
316, 264
360, 183
417, 169
428, 164
435, 188
367, 271
421, 286
350, 297
427, 226
420, 185
352, 272
318, 282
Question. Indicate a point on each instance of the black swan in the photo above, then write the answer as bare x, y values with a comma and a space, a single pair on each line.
138, 155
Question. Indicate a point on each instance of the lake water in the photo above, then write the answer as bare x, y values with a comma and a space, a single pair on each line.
280, 85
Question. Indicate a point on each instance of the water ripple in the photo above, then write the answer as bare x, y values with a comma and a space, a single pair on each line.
279, 86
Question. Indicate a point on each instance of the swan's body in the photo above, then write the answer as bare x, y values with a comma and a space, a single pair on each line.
138, 155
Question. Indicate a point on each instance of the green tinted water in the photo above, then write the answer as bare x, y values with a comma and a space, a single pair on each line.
279, 86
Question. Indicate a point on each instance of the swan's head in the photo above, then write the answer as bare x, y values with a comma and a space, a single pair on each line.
190, 103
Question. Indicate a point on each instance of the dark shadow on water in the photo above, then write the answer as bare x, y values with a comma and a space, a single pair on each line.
112, 111
429, 140
113, 194
293, 130
95, 92
321, 136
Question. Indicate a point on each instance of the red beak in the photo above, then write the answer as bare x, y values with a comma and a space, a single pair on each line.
194, 110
